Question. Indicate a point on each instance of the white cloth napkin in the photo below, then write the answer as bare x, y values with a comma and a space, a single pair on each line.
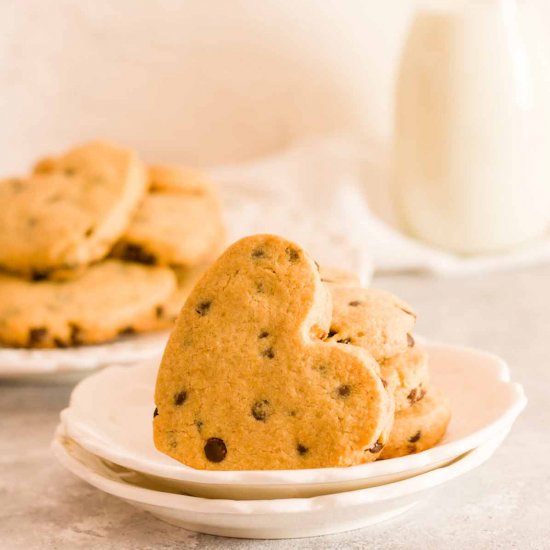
331, 196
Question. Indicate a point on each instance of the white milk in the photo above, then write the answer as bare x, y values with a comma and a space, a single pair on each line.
472, 134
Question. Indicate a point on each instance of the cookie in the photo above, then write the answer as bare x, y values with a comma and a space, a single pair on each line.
371, 318
407, 376
247, 381
110, 299
336, 276
178, 223
419, 427
70, 211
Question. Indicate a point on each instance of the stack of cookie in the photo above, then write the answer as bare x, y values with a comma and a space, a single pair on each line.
94, 245
260, 373
382, 324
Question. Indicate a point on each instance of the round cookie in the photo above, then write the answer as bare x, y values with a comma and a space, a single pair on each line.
178, 223
109, 299
246, 384
372, 319
407, 376
70, 211
419, 427
336, 276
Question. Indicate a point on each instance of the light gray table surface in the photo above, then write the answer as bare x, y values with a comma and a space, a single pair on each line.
503, 504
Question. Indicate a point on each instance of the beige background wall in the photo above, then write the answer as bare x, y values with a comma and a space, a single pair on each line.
202, 81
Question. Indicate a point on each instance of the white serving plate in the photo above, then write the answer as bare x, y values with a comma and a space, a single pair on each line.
72, 363
281, 518
110, 415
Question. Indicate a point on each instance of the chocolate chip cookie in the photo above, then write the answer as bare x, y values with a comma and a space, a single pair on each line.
407, 376
109, 299
70, 211
373, 319
419, 427
247, 380
178, 223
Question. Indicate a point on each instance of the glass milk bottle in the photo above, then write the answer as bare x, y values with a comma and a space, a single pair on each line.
472, 125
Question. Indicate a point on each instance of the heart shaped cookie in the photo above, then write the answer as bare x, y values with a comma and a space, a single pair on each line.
247, 381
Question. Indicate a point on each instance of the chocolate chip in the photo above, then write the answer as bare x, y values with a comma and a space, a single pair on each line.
376, 448
344, 341
410, 340
159, 311
180, 398
263, 334
59, 343
215, 449
203, 307
155, 412
302, 450
269, 353
39, 274
411, 449
322, 369
344, 391
76, 335
89, 232
37, 335
136, 253
127, 331
258, 253
355, 303
415, 437
261, 410
415, 395
292, 413
332, 333
292, 254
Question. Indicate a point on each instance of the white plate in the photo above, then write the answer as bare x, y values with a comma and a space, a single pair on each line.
64, 363
282, 518
110, 415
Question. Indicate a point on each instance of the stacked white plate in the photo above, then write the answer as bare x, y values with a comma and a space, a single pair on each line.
105, 438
